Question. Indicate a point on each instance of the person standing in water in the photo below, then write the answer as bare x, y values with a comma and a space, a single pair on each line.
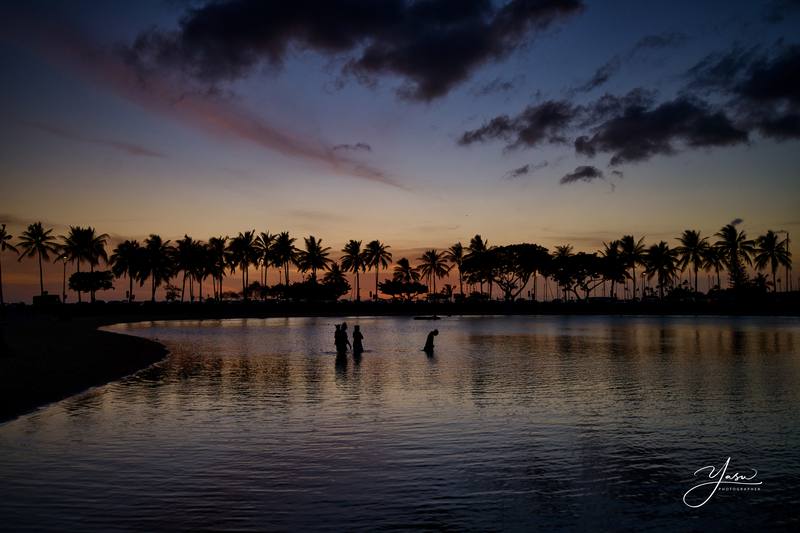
345, 339
429, 342
357, 338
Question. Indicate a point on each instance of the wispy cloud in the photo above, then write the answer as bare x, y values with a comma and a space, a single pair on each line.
123, 146
172, 97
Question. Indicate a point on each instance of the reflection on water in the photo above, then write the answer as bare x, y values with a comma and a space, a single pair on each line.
514, 422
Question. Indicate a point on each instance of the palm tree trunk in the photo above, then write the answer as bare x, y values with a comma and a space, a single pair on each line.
91, 293
358, 288
1, 284
633, 297
774, 284
78, 269
377, 270
460, 282
153, 287
695, 278
183, 285
130, 287
63, 285
41, 277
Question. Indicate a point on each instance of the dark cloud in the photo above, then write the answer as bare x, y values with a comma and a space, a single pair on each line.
524, 170
353, 147
613, 65
601, 75
540, 123
582, 173
618, 173
736, 221
128, 148
432, 46
763, 88
498, 85
777, 10
640, 132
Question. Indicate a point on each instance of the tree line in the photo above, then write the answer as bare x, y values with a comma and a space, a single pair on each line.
479, 266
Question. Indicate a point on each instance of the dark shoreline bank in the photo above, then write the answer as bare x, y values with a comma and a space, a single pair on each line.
45, 359
49, 353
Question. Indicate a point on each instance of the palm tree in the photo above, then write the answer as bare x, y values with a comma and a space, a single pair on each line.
612, 265
187, 261
712, 258
353, 261
561, 266
284, 253
39, 242
736, 249
5, 244
455, 254
157, 263
84, 244
216, 262
314, 257
632, 252
334, 275
264, 244
243, 253
433, 265
404, 272
773, 252
660, 261
692, 251
476, 262
377, 255
126, 261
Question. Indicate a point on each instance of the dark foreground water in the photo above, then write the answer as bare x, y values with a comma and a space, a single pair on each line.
516, 423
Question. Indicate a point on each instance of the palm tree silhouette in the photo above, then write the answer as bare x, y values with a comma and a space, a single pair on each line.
660, 262
126, 260
334, 275
477, 262
455, 254
404, 272
264, 244
157, 263
712, 259
692, 251
39, 242
632, 252
377, 255
736, 249
243, 253
613, 266
84, 244
561, 264
5, 244
353, 261
215, 262
314, 257
284, 253
187, 261
773, 252
433, 265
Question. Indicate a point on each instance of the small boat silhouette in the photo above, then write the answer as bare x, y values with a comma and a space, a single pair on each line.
431, 317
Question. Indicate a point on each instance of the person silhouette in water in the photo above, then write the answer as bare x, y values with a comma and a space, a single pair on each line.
428, 349
357, 338
340, 340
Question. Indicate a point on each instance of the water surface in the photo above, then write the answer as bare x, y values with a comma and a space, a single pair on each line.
516, 422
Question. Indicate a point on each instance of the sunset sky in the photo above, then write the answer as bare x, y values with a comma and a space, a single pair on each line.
416, 123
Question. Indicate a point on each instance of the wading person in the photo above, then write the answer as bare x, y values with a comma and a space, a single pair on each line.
428, 348
357, 338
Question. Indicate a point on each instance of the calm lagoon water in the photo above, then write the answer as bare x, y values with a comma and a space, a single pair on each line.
516, 423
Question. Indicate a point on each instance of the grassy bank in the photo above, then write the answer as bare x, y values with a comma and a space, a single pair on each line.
45, 359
